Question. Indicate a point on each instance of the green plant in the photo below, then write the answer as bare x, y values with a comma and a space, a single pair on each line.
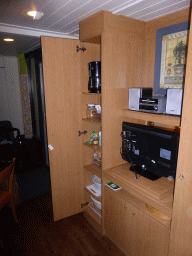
179, 52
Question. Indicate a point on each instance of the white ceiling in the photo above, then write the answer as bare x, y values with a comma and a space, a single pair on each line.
61, 18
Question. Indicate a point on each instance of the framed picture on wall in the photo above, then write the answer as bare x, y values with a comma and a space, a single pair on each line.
170, 57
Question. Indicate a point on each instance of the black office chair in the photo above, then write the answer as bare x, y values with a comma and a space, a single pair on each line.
28, 152
10, 143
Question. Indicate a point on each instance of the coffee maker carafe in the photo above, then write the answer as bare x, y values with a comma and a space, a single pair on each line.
94, 84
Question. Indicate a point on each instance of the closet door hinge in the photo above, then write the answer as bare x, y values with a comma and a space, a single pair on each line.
84, 132
80, 49
83, 205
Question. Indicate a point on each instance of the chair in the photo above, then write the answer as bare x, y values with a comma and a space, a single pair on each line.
10, 144
6, 195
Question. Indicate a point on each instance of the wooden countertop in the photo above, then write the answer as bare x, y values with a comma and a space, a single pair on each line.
158, 189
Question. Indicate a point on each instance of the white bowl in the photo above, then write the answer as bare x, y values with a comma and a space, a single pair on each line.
97, 182
96, 203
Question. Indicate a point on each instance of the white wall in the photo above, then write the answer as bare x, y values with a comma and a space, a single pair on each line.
4, 104
10, 95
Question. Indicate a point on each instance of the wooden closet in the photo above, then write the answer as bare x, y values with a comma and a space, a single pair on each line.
126, 48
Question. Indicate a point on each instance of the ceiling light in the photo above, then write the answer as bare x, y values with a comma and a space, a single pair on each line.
36, 15
8, 39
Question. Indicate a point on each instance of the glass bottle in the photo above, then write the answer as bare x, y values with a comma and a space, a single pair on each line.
95, 139
97, 158
91, 111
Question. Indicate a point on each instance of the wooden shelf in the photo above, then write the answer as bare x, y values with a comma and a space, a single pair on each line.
97, 197
90, 93
92, 146
156, 118
90, 209
94, 169
93, 120
93, 208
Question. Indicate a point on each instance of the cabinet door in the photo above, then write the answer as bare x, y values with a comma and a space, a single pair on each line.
148, 236
117, 222
61, 70
181, 231
133, 231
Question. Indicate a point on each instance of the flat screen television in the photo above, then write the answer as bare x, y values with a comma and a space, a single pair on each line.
152, 152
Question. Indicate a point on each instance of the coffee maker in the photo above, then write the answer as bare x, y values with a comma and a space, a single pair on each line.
94, 84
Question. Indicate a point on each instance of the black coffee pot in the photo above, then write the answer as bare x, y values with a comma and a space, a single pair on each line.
94, 84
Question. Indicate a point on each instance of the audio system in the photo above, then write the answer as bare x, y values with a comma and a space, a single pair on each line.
153, 105
140, 99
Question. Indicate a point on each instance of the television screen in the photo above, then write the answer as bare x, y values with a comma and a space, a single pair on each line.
152, 152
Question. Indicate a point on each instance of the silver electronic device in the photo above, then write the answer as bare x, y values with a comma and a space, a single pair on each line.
153, 105
135, 94
174, 101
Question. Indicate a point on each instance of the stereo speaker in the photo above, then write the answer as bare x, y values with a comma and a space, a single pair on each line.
134, 95
174, 101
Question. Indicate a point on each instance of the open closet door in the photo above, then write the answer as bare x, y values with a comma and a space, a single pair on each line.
61, 71
181, 231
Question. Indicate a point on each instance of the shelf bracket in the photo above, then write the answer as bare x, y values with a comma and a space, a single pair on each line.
80, 49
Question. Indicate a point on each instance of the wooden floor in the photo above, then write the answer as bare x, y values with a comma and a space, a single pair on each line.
37, 234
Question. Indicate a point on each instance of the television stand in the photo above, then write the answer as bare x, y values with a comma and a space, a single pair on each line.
144, 173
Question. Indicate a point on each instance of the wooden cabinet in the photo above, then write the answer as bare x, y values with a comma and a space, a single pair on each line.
126, 48
131, 229
92, 53
66, 94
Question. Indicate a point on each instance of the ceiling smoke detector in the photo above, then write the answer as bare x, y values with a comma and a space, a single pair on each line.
35, 14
